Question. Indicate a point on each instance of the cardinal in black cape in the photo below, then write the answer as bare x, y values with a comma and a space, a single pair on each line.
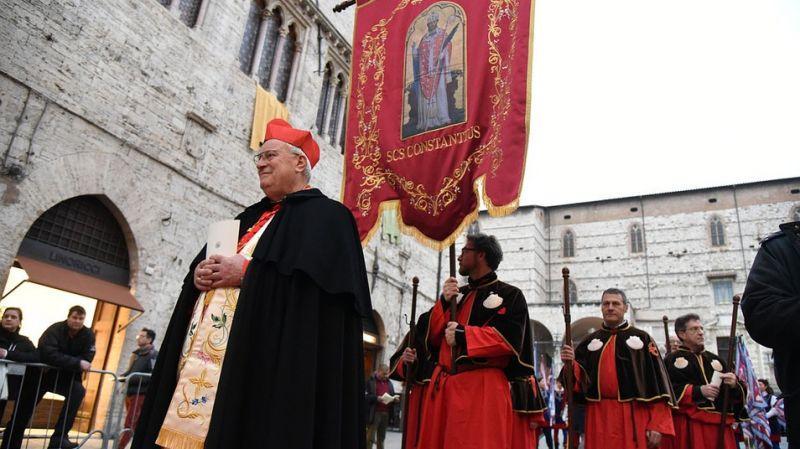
264, 348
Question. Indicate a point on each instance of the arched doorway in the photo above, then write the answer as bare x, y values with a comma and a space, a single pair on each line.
543, 347
76, 253
585, 326
374, 338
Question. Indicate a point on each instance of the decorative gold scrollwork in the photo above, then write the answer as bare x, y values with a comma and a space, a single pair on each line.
367, 152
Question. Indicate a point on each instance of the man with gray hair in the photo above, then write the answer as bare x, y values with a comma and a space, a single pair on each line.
265, 346
380, 400
620, 376
697, 376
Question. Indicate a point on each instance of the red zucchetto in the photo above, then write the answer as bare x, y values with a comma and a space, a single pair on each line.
280, 129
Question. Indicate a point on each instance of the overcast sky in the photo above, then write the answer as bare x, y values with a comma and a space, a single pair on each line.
636, 96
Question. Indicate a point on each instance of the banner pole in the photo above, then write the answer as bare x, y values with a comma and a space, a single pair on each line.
410, 371
568, 367
667, 345
453, 308
725, 388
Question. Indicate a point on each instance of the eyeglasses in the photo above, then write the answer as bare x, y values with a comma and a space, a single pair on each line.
468, 249
695, 329
268, 155
264, 155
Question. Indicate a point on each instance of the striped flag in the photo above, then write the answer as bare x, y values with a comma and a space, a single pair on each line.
551, 400
757, 430
781, 412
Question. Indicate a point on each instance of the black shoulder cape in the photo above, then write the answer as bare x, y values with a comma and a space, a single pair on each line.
771, 305
422, 369
686, 368
293, 372
510, 319
526, 397
640, 372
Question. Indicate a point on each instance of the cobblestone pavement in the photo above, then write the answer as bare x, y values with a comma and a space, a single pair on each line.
393, 440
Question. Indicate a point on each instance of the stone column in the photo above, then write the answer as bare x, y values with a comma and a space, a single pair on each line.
201, 14
276, 60
297, 62
266, 15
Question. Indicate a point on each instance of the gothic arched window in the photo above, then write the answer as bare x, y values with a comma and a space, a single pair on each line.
322, 108
190, 11
333, 127
272, 25
281, 87
250, 37
717, 231
637, 239
568, 244
573, 292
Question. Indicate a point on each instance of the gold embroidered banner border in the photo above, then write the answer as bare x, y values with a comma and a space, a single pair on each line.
366, 169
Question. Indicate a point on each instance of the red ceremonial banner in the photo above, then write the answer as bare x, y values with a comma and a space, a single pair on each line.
439, 100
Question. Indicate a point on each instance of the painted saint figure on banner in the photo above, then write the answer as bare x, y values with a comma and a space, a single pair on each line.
434, 97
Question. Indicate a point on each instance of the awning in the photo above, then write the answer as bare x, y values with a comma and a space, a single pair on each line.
63, 279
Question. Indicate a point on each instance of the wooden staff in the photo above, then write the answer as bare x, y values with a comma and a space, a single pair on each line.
725, 389
453, 308
667, 346
341, 7
569, 381
410, 370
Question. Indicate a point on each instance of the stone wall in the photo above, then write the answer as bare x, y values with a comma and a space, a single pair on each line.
121, 99
674, 273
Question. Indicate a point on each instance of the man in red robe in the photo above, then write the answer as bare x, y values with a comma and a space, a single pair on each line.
692, 370
471, 407
416, 372
529, 407
619, 373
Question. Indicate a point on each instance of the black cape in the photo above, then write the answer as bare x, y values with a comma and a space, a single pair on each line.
293, 372
526, 397
697, 370
640, 372
771, 305
419, 372
510, 319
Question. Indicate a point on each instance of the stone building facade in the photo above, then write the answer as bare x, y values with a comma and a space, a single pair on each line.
146, 106
672, 253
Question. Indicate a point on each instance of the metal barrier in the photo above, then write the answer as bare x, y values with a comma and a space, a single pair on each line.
125, 434
27, 384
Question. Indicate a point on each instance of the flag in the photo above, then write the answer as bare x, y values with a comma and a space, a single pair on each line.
438, 113
781, 413
757, 430
551, 399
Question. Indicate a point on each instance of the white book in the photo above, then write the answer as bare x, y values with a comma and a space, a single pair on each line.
386, 398
716, 379
222, 238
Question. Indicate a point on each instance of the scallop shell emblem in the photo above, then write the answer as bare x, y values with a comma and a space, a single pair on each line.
634, 342
595, 345
493, 301
681, 363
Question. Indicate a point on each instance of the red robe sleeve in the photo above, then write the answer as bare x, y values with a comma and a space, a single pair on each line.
486, 342
660, 418
436, 326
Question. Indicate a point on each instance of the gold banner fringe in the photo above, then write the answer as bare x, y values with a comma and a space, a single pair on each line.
478, 189
173, 439
494, 211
